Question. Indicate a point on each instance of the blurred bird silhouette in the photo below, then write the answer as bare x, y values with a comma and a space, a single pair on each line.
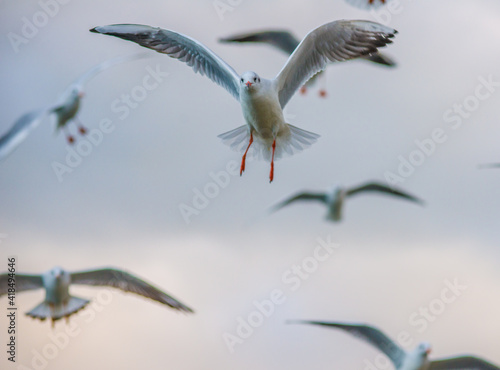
335, 199
59, 303
65, 110
403, 360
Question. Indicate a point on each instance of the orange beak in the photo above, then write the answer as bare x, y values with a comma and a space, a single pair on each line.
248, 83
428, 351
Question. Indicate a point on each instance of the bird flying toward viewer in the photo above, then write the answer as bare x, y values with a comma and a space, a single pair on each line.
262, 100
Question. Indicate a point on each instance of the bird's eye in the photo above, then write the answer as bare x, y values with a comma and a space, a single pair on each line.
241, 80
255, 79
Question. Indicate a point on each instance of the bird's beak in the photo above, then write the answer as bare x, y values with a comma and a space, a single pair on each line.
428, 352
248, 83
81, 94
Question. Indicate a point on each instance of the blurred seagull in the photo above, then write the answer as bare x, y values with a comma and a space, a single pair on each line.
286, 42
59, 303
65, 109
402, 360
334, 200
367, 4
262, 101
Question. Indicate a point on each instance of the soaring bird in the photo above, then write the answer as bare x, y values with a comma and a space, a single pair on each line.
262, 100
60, 303
335, 199
403, 360
65, 110
287, 42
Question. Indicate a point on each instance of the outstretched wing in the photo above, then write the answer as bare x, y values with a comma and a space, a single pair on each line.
462, 363
370, 335
301, 196
383, 189
20, 130
23, 283
367, 4
332, 42
128, 283
280, 39
92, 72
183, 48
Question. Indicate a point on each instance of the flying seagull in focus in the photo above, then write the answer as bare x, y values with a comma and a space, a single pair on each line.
335, 199
367, 4
65, 110
262, 100
287, 42
59, 303
403, 360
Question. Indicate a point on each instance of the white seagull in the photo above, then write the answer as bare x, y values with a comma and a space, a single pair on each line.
335, 199
59, 303
262, 101
287, 42
65, 109
367, 4
403, 360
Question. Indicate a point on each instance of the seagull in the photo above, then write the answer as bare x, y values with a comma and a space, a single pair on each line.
65, 109
262, 100
367, 4
59, 303
334, 199
287, 42
403, 360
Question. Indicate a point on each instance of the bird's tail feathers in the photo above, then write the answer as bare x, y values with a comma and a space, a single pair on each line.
45, 310
288, 143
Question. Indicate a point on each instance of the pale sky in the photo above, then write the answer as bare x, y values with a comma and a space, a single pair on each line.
120, 205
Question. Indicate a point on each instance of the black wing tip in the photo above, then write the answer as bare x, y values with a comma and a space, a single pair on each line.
488, 165
94, 30
226, 40
185, 309
299, 322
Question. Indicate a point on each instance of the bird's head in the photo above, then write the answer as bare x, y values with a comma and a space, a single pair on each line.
424, 349
336, 189
58, 273
78, 91
249, 81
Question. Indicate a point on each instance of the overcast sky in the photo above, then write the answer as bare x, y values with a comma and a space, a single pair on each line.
120, 205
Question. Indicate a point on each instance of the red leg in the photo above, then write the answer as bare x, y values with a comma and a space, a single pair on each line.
303, 90
82, 130
271, 174
245, 155
71, 139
